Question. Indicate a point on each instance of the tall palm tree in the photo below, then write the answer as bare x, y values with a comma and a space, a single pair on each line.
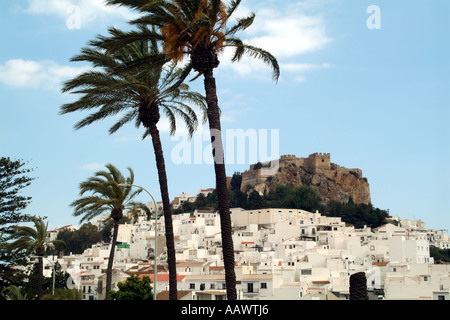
199, 30
142, 93
101, 193
32, 241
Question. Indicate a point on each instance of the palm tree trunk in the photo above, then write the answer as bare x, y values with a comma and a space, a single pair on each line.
161, 166
40, 276
111, 260
358, 286
221, 183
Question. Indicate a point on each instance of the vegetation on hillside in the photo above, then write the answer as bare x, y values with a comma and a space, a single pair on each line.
441, 256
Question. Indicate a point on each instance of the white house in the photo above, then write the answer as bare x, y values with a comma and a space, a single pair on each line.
417, 281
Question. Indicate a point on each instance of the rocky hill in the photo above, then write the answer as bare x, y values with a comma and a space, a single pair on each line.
329, 180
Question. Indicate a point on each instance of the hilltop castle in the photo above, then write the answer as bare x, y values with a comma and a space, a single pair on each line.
330, 180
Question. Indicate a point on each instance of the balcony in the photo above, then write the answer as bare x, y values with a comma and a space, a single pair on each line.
250, 289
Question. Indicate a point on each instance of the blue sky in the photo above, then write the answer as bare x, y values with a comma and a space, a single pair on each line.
376, 99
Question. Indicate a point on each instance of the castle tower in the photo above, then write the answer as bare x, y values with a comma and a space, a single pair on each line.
318, 162
322, 161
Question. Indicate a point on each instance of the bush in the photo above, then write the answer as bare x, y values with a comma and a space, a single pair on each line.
134, 289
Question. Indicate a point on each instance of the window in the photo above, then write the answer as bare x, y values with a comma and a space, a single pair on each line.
192, 286
263, 285
306, 272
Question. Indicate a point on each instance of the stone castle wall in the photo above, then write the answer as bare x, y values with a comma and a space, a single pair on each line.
351, 180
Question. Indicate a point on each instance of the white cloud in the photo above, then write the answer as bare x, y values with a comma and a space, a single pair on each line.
93, 166
36, 74
82, 13
287, 33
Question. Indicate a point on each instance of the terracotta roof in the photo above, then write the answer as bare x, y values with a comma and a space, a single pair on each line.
216, 268
161, 277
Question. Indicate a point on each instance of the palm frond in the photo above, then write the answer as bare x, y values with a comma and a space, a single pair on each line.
242, 49
130, 72
232, 7
242, 24
28, 238
104, 193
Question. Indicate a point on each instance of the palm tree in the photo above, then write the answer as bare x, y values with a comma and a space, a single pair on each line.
198, 29
15, 293
101, 193
32, 241
142, 93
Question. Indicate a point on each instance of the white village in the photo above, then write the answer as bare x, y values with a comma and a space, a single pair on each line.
280, 254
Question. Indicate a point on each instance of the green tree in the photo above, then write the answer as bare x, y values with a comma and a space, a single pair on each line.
238, 199
200, 201
200, 30
236, 181
32, 241
257, 166
79, 240
142, 93
440, 255
134, 288
255, 201
306, 198
356, 214
187, 206
102, 193
281, 197
301, 197
14, 178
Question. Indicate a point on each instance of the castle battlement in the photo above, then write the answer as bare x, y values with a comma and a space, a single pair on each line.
317, 154
288, 157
